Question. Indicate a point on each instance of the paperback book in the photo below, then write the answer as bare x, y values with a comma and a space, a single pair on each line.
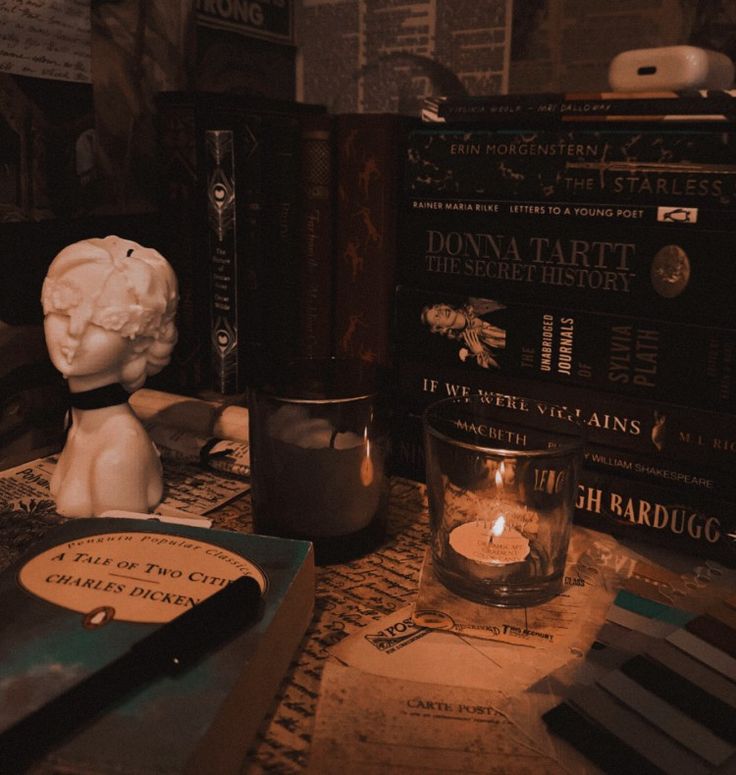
691, 365
92, 589
560, 108
654, 271
662, 430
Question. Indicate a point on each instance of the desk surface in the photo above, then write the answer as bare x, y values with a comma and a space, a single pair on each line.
349, 596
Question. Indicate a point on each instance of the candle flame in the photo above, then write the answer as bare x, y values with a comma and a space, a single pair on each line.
498, 526
499, 476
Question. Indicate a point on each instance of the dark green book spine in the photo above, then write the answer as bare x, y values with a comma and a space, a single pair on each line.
223, 260
316, 235
278, 267
634, 356
182, 201
660, 429
623, 168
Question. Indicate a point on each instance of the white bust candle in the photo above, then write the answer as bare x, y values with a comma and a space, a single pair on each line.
109, 306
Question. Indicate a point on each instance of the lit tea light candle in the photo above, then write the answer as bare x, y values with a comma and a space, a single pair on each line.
492, 547
490, 542
500, 542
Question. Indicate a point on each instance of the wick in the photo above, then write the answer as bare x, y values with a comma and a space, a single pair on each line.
332, 438
129, 253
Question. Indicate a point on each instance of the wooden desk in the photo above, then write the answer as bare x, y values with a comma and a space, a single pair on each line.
348, 597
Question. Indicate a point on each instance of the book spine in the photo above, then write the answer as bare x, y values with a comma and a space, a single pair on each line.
316, 225
643, 172
655, 272
705, 480
223, 260
182, 201
266, 284
551, 110
251, 320
682, 520
685, 520
369, 152
662, 430
635, 356
278, 280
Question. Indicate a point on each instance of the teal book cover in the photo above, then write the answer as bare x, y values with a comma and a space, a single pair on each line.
92, 588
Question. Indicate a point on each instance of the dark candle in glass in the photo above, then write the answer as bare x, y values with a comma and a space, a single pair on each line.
319, 443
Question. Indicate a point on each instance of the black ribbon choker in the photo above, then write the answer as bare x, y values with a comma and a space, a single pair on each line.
99, 398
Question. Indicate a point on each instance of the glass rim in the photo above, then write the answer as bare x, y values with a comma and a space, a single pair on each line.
286, 399
570, 442
320, 380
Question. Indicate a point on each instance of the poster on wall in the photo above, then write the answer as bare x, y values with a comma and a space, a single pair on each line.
45, 108
380, 56
562, 46
245, 48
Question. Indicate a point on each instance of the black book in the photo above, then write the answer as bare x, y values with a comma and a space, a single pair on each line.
639, 177
552, 109
634, 356
660, 429
654, 272
229, 185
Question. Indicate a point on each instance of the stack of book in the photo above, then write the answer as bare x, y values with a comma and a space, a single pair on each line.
231, 209
579, 249
281, 224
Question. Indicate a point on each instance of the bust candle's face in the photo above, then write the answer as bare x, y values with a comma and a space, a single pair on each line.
80, 348
109, 307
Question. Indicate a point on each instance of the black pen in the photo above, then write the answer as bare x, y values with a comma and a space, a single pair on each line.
168, 650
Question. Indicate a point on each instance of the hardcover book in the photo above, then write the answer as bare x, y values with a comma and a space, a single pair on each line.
315, 236
656, 271
253, 190
93, 588
182, 197
370, 150
635, 356
694, 476
667, 515
220, 186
